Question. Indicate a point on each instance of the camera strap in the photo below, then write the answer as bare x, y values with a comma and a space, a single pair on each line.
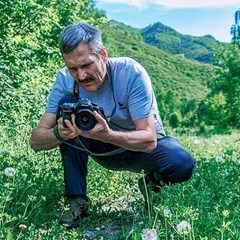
80, 146
79, 143
76, 89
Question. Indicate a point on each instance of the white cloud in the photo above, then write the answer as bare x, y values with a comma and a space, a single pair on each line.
137, 3
194, 4
176, 3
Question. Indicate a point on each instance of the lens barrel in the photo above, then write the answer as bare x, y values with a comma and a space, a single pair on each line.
85, 119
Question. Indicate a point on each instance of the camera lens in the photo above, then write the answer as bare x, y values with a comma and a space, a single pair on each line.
85, 119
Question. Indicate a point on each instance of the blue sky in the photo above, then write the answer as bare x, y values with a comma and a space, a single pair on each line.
193, 17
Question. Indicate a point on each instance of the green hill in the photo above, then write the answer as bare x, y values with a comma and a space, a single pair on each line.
185, 78
166, 38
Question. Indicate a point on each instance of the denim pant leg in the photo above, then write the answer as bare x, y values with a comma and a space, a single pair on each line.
169, 162
75, 170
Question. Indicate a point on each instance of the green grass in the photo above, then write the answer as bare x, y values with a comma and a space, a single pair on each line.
31, 201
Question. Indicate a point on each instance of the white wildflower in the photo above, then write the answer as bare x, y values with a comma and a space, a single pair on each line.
217, 142
225, 173
219, 159
9, 171
149, 234
183, 227
89, 234
167, 212
196, 141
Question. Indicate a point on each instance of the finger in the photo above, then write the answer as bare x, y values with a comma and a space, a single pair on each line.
59, 121
73, 117
98, 117
70, 126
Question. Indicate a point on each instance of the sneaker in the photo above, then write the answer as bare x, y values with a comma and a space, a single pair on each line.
149, 190
77, 209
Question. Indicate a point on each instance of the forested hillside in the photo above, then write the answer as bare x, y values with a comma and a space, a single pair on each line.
202, 49
30, 58
168, 72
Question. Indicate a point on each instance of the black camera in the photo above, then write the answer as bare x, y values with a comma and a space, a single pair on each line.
83, 111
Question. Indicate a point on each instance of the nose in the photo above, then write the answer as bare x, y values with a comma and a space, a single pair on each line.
81, 74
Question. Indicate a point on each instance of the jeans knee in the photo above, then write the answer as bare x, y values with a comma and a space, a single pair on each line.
184, 167
180, 168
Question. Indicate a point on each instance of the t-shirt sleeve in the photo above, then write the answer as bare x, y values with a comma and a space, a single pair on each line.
62, 86
141, 98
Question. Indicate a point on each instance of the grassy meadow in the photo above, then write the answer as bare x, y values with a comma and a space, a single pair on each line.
206, 207
32, 189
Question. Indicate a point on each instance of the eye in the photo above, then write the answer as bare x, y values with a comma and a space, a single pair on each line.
72, 69
87, 65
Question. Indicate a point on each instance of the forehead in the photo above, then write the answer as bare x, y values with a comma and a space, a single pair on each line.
79, 54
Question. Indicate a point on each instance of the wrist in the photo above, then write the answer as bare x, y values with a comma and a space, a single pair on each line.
56, 134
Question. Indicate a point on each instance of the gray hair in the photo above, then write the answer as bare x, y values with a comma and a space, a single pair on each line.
76, 33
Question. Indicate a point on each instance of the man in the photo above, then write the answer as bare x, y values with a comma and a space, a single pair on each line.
129, 134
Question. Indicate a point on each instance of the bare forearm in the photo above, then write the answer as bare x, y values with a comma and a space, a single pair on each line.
135, 141
43, 139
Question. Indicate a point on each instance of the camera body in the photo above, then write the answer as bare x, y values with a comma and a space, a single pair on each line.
83, 111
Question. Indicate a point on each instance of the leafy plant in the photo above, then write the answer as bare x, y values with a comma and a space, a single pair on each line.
31, 184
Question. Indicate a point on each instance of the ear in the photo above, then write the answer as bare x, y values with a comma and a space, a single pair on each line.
104, 55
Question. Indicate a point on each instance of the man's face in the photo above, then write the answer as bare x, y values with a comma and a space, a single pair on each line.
89, 70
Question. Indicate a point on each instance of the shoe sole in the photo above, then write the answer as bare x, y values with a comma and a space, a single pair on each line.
75, 224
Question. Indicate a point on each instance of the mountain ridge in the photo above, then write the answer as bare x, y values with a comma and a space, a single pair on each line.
163, 37
126, 41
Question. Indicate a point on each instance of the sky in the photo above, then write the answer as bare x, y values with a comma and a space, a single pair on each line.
191, 17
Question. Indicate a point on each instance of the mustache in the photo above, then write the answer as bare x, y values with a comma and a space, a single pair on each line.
86, 80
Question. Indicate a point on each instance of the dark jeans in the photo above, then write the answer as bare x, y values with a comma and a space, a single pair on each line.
169, 162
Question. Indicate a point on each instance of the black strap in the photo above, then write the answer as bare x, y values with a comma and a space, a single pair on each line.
75, 89
56, 133
80, 145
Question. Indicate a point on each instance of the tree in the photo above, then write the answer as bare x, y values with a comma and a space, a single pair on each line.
29, 50
222, 105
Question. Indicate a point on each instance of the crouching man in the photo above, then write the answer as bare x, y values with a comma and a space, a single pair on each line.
105, 107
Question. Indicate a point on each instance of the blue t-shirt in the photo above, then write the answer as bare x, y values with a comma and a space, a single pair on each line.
127, 96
